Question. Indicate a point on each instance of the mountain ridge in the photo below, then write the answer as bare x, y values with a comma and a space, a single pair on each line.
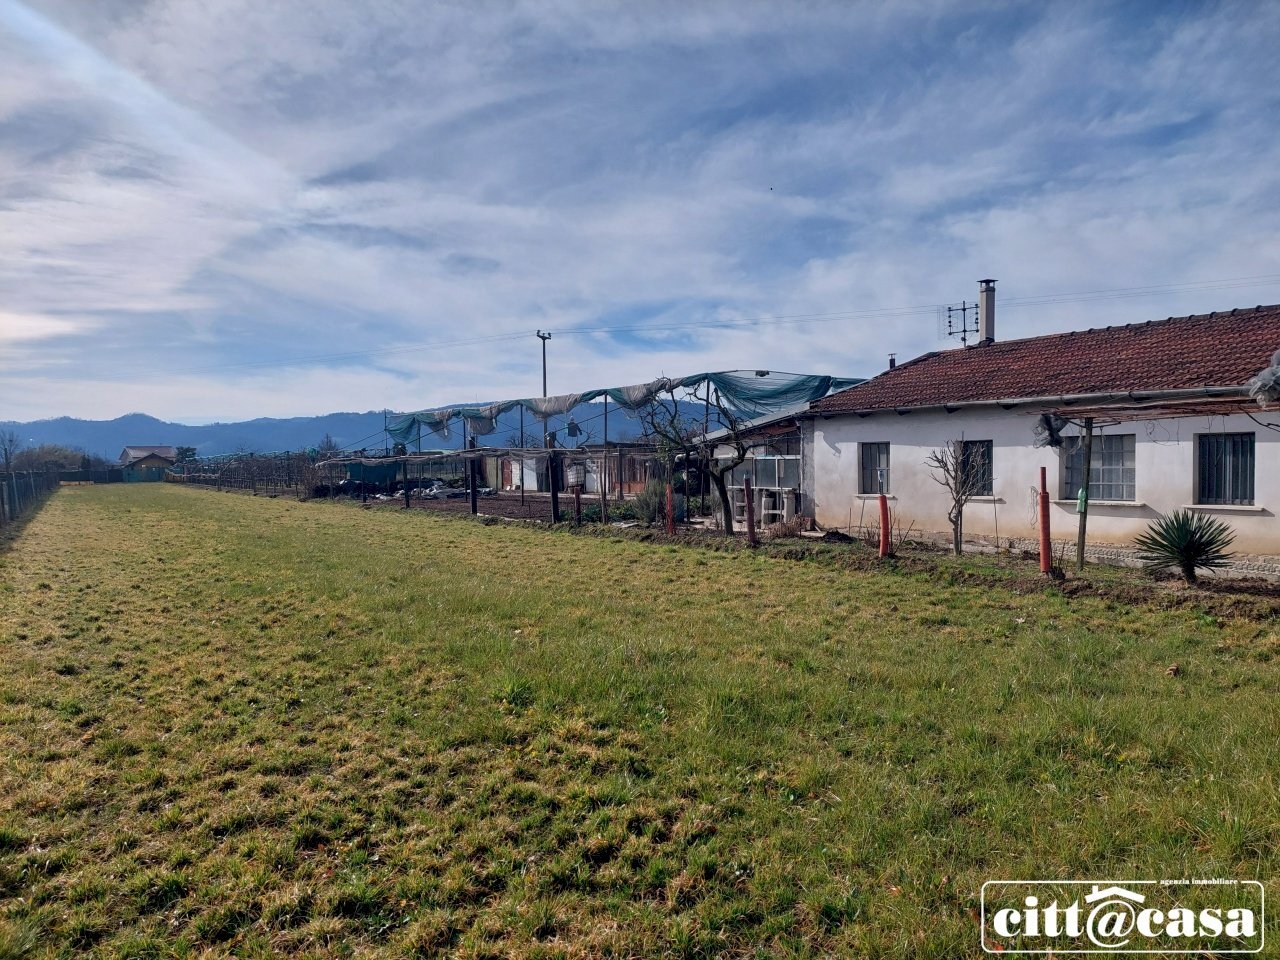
349, 429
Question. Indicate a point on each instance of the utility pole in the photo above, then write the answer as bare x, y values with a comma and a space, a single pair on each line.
550, 438
544, 337
706, 451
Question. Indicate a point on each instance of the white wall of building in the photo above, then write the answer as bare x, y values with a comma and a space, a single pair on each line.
1165, 475
526, 471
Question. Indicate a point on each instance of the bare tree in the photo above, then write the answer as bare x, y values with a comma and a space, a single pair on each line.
677, 433
327, 446
963, 473
47, 456
673, 433
10, 444
736, 442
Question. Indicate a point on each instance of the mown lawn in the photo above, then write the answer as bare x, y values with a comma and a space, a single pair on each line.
250, 726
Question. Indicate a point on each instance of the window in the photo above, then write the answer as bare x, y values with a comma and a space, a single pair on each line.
975, 455
875, 467
1111, 475
1225, 473
766, 471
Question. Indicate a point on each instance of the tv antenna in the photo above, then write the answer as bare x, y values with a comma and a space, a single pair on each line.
958, 321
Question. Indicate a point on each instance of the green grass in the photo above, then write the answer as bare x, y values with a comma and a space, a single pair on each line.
270, 728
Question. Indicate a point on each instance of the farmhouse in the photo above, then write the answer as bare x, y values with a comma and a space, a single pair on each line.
1173, 426
146, 463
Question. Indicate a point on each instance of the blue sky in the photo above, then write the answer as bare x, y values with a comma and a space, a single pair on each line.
238, 209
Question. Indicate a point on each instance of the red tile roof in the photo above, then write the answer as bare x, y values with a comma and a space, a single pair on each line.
1215, 349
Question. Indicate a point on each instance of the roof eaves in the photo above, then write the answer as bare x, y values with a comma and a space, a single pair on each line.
1009, 403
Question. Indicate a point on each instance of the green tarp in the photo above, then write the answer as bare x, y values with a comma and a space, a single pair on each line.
749, 394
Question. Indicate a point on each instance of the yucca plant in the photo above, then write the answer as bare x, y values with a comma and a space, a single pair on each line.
1186, 540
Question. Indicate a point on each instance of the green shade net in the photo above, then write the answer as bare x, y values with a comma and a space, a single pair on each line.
749, 394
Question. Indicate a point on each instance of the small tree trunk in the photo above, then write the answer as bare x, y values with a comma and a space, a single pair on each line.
1189, 573
726, 506
957, 534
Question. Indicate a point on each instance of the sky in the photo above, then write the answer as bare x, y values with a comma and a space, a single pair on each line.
239, 209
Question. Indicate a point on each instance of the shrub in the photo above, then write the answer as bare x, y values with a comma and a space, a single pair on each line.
785, 528
651, 505
1185, 540
617, 512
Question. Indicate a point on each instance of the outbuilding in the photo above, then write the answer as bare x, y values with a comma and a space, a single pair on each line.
146, 463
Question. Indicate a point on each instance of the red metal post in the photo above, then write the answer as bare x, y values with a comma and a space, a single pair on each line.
751, 511
1046, 550
884, 525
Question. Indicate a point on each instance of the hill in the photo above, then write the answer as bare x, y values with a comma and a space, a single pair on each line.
350, 430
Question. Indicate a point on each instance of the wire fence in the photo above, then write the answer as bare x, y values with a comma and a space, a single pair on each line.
510, 482
309, 475
21, 492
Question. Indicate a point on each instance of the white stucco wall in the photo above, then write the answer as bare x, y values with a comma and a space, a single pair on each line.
1165, 452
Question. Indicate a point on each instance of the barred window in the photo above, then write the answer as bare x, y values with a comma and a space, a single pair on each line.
1225, 473
975, 455
875, 467
1111, 475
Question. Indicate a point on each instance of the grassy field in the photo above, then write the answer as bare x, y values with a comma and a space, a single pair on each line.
250, 726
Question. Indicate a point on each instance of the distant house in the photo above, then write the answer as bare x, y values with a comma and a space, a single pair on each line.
146, 463
1173, 423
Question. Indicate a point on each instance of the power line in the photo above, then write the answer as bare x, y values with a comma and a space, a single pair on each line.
1117, 293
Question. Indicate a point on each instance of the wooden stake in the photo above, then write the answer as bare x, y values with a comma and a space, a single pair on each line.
671, 510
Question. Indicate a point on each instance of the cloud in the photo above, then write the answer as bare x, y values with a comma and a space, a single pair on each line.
227, 188
16, 327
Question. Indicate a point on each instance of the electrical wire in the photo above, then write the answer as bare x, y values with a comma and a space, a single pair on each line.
1117, 293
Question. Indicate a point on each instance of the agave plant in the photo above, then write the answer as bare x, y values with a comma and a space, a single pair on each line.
1185, 540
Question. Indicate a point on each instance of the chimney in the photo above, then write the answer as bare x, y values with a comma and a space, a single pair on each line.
893, 360
986, 311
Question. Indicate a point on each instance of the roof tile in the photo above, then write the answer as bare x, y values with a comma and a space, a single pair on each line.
1215, 349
